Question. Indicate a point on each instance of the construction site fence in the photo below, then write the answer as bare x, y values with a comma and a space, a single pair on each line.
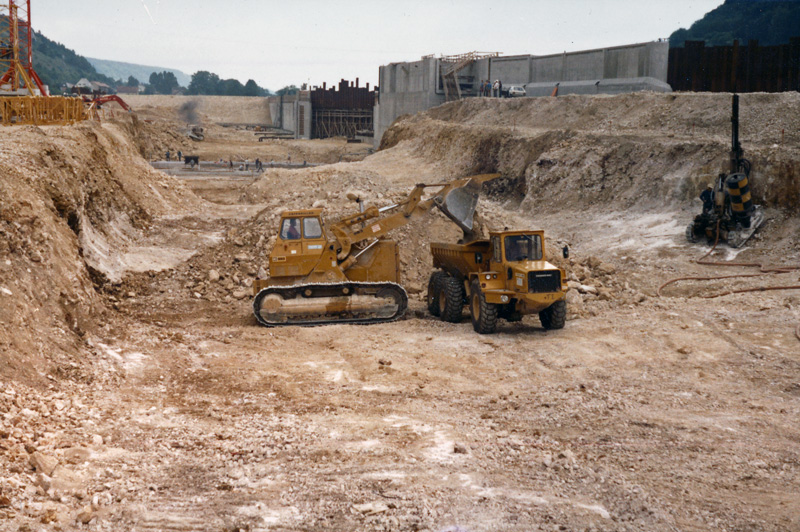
40, 110
736, 68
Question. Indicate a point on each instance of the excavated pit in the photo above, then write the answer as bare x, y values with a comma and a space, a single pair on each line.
132, 365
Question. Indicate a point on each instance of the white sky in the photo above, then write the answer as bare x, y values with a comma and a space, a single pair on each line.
280, 43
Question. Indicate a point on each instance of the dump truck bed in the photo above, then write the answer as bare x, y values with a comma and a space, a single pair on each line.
460, 259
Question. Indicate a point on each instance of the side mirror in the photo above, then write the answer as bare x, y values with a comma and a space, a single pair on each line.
565, 252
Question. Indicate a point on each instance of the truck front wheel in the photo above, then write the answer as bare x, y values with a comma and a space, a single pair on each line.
554, 316
434, 288
484, 315
451, 299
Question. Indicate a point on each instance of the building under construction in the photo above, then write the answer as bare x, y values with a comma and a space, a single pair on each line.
343, 111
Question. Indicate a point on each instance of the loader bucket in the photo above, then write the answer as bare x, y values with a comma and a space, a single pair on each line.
459, 204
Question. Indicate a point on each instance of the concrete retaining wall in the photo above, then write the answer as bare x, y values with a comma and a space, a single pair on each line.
408, 88
286, 115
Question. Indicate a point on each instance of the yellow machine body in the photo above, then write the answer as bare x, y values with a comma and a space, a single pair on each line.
348, 271
507, 274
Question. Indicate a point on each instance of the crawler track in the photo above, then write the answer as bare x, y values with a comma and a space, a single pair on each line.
351, 302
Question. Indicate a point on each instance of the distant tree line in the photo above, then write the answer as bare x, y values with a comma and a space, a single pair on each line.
204, 82
770, 23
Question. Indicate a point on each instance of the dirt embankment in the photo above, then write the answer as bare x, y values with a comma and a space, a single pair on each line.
74, 198
639, 149
216, 109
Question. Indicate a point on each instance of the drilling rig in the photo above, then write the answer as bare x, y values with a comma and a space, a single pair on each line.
729, 214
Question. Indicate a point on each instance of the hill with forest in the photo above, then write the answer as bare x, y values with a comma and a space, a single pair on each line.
121, 70
56, 64
770, 22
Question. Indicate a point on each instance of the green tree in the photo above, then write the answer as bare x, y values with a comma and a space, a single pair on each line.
289, 89
204, 82
771, 23
231, 87
132, 82
251, 88
163, 82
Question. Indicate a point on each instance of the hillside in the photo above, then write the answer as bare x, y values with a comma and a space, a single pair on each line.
770, 22
56, 64
121, 70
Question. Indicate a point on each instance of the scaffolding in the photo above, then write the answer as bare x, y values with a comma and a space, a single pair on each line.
348, 123
24, 99
343, 111
40, 110
450, 67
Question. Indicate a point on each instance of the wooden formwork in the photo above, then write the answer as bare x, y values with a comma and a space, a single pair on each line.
40, 110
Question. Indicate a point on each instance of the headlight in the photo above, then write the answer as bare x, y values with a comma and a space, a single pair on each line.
504, 299
488, 276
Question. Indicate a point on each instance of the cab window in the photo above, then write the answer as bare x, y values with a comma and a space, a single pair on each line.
290, 229
523, 247
312, 228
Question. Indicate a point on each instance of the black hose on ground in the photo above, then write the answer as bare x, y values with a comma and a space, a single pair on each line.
762, 271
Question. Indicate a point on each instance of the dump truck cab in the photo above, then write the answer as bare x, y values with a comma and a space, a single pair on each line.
505, 276
519, 257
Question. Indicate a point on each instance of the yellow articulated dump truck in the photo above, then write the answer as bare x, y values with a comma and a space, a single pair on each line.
503, 277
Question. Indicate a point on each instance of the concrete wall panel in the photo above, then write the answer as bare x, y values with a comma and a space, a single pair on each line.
583, 66
511, 70
408, 88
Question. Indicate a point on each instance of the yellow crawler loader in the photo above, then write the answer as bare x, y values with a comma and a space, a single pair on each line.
348, 272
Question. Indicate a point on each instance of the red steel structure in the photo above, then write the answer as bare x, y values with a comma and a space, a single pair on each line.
16, 48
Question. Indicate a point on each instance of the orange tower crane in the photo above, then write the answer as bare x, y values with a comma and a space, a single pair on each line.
16, 50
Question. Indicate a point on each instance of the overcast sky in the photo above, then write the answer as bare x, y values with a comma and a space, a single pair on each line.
280, 43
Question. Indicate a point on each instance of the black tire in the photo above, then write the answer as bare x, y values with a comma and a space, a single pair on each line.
690, 236
434, 286
554, 316
484, 315
451, 299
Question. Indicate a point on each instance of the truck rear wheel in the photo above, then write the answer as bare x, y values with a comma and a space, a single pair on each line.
434, 287
451, 299
484, 315
554, 316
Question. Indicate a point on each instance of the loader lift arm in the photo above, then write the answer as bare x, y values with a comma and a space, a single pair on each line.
401, 214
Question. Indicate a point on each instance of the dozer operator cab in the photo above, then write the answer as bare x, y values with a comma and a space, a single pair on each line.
301, 242
298, 228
